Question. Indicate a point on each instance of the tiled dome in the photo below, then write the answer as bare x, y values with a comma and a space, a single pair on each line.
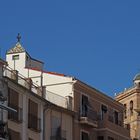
137, 77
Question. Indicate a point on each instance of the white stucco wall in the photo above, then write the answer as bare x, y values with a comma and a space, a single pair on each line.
19, 64
55, 84
58, 84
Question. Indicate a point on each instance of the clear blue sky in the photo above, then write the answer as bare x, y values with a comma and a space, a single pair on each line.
97, 41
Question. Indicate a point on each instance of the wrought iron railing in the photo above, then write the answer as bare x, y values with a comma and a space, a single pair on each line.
89, 113
27, 83
23, 81
15, 116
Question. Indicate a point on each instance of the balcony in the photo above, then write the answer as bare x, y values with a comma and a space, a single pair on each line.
34, 123
65, 102
108, 122
21, 80
89, 118
15, 116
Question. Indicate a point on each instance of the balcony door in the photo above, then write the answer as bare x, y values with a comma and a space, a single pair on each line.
32, 115
13, 98
13, 102
84, 105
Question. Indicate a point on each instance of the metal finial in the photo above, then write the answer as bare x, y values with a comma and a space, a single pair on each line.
18, 37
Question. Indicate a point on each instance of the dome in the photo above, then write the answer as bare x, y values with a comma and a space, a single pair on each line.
137, 77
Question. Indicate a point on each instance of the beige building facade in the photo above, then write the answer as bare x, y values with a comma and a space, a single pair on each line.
130, 98
62, 107
36, 118
99, 117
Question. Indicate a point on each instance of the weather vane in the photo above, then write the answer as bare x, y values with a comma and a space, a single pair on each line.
18, 37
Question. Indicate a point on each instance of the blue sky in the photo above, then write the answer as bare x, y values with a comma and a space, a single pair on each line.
97, 41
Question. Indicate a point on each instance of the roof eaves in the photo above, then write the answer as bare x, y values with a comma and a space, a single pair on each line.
101, 93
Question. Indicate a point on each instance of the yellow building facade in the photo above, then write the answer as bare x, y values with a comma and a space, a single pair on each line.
130, 98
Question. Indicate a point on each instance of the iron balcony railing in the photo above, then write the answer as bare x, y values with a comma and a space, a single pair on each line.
34, 122
88, 117
28, 83
89, 113
23, 81
15, 116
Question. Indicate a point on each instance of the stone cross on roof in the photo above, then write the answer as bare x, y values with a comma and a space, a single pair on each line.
18, 37
18, 47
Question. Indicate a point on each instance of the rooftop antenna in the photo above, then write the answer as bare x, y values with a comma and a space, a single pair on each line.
18, 37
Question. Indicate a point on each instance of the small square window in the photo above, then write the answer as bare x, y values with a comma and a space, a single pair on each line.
15, 57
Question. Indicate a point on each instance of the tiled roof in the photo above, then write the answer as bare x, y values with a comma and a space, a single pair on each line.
17, 49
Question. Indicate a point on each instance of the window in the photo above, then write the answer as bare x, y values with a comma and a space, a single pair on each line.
13, 97
131, 107
56, 126
13, 102
33, 120
110, 115
125, 109
120, 118
84, 111
116, 117
84, 136
100, 138
103, 110
56, 131
15, 57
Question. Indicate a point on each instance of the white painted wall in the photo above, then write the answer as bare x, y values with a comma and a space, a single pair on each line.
19, 64
22, 62
57, 84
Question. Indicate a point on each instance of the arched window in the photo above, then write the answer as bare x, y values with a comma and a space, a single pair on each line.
131, 107
125, 109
